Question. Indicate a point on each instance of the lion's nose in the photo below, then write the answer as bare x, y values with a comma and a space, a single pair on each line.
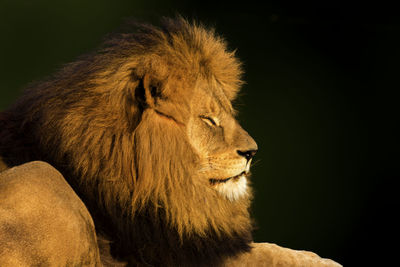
247, 154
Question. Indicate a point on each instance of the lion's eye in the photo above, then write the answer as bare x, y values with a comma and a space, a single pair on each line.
209, 121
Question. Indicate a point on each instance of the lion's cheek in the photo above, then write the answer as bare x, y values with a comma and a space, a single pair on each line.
197, 140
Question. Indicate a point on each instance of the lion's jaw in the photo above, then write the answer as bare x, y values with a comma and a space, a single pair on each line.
233, 188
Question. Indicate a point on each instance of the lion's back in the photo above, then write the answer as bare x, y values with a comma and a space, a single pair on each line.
42, 220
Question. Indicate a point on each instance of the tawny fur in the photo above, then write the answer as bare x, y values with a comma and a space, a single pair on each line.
42, 221
124, 126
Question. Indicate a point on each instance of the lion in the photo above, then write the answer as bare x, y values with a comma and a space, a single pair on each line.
144, 131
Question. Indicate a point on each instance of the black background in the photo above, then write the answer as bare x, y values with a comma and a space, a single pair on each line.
320, 99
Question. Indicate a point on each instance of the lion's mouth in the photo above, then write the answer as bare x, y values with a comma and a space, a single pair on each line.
221, 181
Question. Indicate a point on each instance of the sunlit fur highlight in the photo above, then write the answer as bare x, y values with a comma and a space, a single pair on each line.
233, 190
122, 157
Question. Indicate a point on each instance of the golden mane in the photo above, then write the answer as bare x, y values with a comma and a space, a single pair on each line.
135, 170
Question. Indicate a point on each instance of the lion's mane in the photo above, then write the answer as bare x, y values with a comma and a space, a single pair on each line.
135, 170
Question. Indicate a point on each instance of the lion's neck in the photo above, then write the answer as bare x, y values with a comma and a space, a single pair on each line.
150, 240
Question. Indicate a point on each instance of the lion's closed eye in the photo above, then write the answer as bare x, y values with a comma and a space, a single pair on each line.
209, 120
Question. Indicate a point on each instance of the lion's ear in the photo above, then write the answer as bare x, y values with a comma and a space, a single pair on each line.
146, 92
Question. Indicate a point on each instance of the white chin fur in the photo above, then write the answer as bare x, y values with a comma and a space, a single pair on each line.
234, 188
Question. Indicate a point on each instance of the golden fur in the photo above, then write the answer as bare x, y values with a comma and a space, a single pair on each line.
144, 131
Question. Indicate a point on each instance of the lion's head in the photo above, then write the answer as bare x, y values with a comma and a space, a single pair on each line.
145, 131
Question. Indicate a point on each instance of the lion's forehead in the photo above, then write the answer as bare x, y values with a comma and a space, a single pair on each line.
212, 100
